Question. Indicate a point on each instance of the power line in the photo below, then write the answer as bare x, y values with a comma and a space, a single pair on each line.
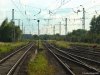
18, 8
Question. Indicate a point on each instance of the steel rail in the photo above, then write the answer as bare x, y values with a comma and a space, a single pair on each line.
80, 62
5, 58
61, 62
9, 64
16, 64
78, 56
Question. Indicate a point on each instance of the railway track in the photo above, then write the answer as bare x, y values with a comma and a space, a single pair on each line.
85, 53
9, 64
74, 65
97, 49
90, 51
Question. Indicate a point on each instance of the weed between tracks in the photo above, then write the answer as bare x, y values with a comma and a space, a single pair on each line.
84, 44
40, 66
65, 44
61, 44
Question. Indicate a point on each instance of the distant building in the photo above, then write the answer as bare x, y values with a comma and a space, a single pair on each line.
27, 36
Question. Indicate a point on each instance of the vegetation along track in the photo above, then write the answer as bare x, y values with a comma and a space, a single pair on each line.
9, 64
74, 65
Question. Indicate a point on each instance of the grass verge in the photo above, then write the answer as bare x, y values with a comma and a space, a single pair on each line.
61, 44
40, 65
6, 47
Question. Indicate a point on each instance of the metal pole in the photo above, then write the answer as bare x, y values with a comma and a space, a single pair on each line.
13, 15
59, 28
83, 19
54, 30
65, 27
13, 33
22, 30
38, 33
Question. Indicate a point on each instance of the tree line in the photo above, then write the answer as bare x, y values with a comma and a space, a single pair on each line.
79, 35
8, 30
91, 36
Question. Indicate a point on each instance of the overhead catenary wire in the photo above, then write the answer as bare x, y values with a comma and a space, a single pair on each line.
71, 19
17, 8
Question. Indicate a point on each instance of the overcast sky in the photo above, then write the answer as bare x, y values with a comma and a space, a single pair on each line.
55, 10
